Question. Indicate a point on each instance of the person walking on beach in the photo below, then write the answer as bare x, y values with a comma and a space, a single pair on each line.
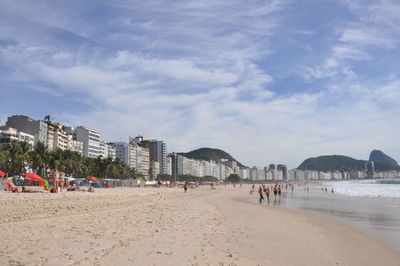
260, 192
267, 193
279, 190
275, 190
185, 187
332, 190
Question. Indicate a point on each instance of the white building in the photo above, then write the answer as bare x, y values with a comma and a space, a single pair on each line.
154, 169
103, 149
111, 152
7, 134
35, 128
91, 141
324, 176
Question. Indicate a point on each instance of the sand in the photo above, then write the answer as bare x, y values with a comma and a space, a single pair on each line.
148, 226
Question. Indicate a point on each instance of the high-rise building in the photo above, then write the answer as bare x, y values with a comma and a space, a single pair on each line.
169, 165
36, 128
283, 168
73, 144
111, 152
154, 170
174, 165
158, 151
7, 134
272, 166
123, 152
145, 161
91, 141
57, 137
370, 169
103, 149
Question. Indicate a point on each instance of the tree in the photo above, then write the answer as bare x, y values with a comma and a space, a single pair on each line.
18, 156
40, 158
233, 178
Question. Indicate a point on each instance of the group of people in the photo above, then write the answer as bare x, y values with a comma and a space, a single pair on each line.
326, 190
265, 189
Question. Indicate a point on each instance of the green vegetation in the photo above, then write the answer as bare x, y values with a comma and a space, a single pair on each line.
343, 163
209, 154
233, 178
17, 157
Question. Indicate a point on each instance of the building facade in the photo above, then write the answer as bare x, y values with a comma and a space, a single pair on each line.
35, 128
7, 134
91, 141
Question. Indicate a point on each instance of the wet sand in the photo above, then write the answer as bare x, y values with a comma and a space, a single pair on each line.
168, 227
377, 217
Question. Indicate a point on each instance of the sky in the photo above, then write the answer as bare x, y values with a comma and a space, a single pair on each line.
274, 81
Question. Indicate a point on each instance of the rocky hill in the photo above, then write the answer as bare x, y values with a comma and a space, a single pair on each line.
382, 162
332, 163
377, 155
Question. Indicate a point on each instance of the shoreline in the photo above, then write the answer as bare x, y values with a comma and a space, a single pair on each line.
168, 227
377, 217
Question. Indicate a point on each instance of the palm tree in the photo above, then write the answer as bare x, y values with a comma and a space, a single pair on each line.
18, 156
26, 159
40, 158
3, 160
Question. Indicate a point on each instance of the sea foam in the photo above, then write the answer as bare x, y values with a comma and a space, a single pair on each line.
388, 188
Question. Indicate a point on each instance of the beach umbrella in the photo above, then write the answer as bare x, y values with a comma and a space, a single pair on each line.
32, 177
2, 173
92, 178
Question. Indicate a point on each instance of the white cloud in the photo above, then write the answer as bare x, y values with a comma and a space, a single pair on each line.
194, 74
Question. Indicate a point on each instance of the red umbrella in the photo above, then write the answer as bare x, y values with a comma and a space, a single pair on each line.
2, 173
32, 177
92, 178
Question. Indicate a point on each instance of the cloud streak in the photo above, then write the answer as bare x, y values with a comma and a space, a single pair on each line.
204, 74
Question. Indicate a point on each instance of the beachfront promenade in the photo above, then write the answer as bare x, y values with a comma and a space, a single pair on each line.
164, 226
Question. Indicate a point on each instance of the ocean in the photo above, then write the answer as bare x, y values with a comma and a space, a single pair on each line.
388, 188
370, 206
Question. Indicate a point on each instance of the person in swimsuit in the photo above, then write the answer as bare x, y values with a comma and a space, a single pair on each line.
260, 191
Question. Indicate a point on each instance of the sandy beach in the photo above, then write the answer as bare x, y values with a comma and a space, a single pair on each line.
133, 226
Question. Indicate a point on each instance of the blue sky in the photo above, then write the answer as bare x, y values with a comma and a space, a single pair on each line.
267, 81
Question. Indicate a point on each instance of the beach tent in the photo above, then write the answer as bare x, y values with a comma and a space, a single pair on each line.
32, 177
93, 178
2, 173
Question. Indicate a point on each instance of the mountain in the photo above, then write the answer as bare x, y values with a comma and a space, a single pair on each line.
382, 162
332, 163
210, 154
377, 155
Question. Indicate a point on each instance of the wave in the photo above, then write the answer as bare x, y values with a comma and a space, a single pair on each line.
389, 188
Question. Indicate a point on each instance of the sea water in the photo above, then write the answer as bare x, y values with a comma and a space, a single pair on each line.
388, 188
370, 206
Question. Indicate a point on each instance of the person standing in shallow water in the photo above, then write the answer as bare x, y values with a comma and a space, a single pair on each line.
260, 192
